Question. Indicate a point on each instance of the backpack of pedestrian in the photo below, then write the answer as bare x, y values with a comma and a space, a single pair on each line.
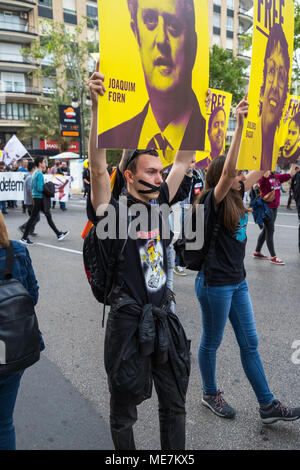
223, 292
20, 339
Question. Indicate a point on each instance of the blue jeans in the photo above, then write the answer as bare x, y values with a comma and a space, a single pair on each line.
9, 386
217, 304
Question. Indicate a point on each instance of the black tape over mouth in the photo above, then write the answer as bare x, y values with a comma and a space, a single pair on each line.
153, 189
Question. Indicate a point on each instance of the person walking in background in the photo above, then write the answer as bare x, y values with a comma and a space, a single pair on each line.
9, 384
38, 203
3, 204
28, 202
270, 190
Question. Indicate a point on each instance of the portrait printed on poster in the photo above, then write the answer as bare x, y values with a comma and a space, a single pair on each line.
217, 122
289, 152
164, 110
272, 54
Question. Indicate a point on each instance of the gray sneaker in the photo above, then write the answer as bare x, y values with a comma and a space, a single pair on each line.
277, 412
218, 405
26, 241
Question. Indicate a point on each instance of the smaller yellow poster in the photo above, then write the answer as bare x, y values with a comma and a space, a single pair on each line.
289, 132
217, 121
271, 67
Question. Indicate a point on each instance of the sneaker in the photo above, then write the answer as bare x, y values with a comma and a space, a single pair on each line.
276, 260
179, 270
277, 412
218, 405
258, 255
62, 235
26, 241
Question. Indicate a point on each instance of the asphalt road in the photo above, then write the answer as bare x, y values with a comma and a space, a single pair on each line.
63, 401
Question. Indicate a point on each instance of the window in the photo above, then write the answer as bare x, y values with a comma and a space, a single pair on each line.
229, 44
230, 4
12, 82
216, 40
229, 34
69, 6
217, 20
229, 24
217, 2
45, 3
91, 11
10, 52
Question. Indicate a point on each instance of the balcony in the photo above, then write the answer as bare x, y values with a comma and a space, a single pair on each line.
245, 20
26, 94
246, 4
244, 55
15, 5
19, 63
17, 32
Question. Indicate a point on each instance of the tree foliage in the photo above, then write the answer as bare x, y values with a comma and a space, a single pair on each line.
227, 73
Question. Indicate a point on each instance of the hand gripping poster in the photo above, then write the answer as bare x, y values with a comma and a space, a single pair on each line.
289, 133
217, 122
154, 55
271, 66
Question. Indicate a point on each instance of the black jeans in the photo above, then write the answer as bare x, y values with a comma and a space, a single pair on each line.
131, 375
267, 233
171, 413
30, 209
38, 205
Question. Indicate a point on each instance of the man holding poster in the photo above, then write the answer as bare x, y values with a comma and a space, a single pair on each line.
290, 151
164, 31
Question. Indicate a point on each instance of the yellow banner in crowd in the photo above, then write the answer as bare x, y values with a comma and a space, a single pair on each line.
154, 55
289, 133
271, 66
217, 122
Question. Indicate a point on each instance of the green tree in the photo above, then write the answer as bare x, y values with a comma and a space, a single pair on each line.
65, 60
227, 73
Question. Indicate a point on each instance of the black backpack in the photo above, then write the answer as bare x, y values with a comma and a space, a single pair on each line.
49, 189
19, 331
100, 266
196, 259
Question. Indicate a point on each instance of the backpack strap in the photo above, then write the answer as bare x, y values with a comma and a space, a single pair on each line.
9, 262
213, 242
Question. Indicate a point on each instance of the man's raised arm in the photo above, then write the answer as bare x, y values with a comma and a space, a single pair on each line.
182, 162
100, 181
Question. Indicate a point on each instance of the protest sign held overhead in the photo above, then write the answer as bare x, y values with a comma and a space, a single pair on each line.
289, 133
217, 122
271, 66
155, 60
13, 151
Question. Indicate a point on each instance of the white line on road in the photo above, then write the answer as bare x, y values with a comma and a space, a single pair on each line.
59, 248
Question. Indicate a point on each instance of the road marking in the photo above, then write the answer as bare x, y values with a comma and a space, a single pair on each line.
59, 248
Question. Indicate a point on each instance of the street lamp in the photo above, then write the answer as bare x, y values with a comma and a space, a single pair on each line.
75, 105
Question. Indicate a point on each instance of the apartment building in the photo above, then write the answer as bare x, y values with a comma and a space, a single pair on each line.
18, 91
19, 26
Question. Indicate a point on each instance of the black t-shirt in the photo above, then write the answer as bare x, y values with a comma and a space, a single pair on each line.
144, 269
226, 266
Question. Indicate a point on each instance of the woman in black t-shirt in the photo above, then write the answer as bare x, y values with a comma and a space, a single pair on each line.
223, 291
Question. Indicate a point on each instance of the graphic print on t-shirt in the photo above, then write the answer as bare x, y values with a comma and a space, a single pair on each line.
240, 232
152, 264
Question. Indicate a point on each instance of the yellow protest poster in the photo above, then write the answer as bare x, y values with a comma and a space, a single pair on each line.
271, 66
154, 55
217, 122
289, 132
